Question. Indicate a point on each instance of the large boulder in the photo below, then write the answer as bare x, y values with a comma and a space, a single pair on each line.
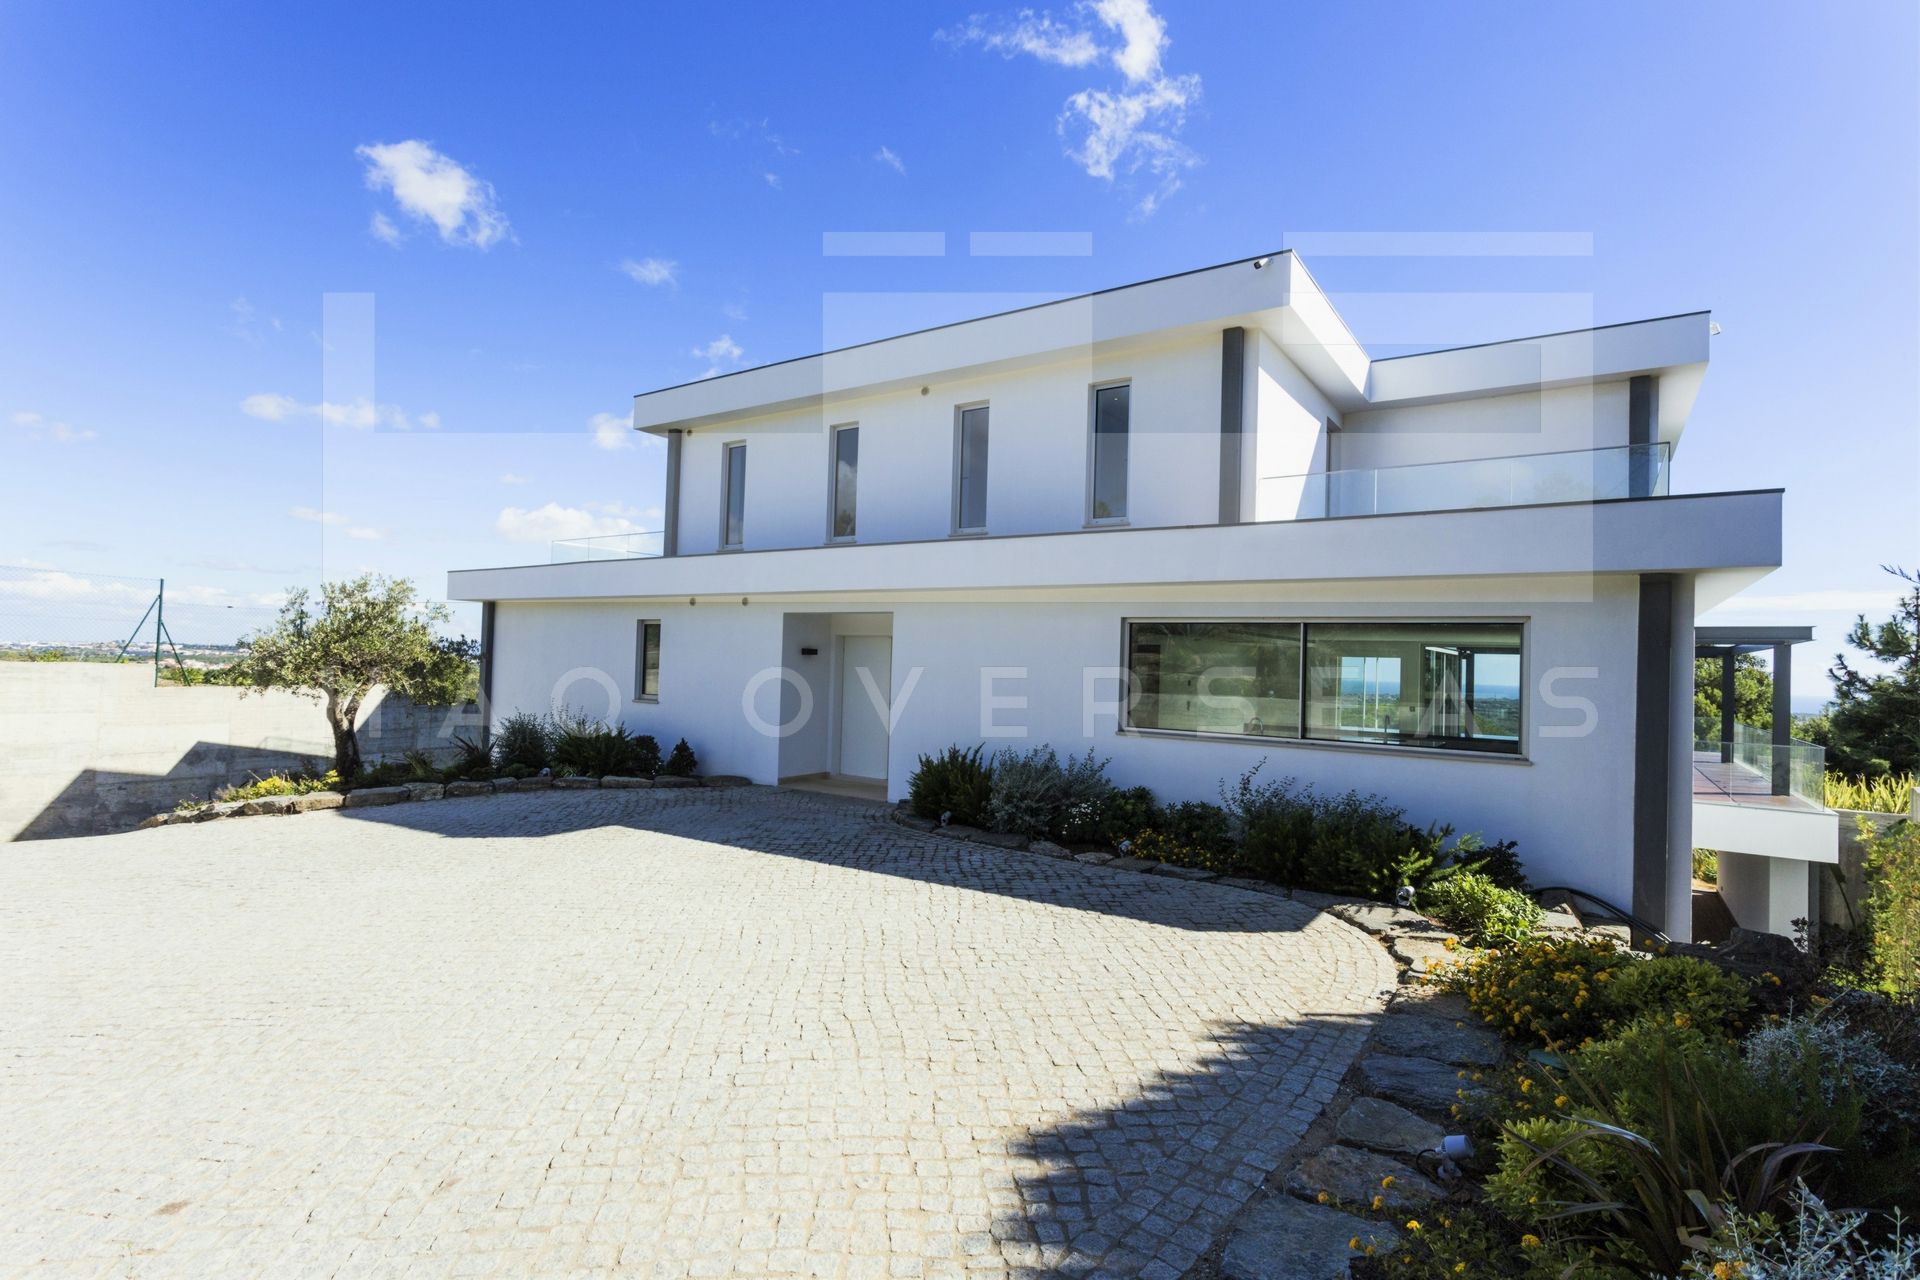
267, 804
315, 800
367, 797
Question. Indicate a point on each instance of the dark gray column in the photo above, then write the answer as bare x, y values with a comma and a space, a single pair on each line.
1729, 663
1233, 390
670, 519
1783, 719
1652, 746
486, 672
1643, 431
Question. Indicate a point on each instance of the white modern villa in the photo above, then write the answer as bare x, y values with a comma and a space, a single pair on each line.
1191, 524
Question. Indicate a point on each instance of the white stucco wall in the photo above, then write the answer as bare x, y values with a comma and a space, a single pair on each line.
1590, 416
1569, 804
1037, 456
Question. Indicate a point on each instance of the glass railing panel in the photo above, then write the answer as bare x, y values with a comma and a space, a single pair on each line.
1584, 475
1751, 769
618, 546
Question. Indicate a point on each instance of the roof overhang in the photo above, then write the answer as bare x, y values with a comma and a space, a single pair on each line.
1273, 293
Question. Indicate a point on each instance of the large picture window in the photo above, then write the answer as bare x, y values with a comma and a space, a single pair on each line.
1448, 685
1216, 677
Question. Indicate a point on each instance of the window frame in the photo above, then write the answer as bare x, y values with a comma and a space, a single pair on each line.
1521, 754
954, 527
833, 484
726, 494
1093, 453
641, 626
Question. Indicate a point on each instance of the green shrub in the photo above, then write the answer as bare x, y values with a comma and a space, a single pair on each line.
1567, 991
1480, 910
1158, 846
524, 740
956, 785
586, 748
1893, 905
1888, 793
1086, 797
1706, 865
1350, 843
1199, 825
1125, 814
1029, 791
475, 761
282, 785
1844, 1062
680, 762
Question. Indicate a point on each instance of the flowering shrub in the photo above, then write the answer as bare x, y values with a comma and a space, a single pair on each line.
1567, 991
282, 785
1480, 910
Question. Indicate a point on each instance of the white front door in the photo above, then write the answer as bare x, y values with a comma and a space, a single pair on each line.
866, 691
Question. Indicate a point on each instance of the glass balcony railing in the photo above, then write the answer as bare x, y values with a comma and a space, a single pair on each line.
1753, 770
1522, 480
617, 546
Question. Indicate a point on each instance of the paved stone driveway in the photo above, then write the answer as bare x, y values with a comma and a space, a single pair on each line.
746, 1033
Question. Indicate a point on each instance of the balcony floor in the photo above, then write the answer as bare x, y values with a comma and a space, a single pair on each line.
1720, 781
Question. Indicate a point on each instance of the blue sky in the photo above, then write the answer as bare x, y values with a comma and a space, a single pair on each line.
216, 219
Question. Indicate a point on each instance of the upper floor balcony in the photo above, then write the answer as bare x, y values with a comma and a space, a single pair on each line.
1519, 480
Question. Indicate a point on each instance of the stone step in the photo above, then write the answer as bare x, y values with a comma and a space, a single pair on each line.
1444, 1039
1285, 1239
1387, 1127
1354, 1177
1421, 1084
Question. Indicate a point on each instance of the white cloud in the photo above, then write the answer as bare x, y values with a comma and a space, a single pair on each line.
430, 186
735, 311
651, 271
382, 228
773, 180
51, 584
361, 533
248, 324
611, 430
361, 413
313, 515
1119, 133
545, 524
36, 426
886, 156
514, 477
720, 354
1037, 35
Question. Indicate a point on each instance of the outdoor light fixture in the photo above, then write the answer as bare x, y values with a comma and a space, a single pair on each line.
1259, 263
808, 651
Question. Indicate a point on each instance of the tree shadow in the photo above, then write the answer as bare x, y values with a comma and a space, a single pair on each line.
1144, 1187
856, 834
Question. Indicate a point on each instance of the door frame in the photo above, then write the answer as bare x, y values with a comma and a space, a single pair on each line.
845, 682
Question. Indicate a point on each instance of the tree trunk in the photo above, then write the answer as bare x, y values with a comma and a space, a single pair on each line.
346, 746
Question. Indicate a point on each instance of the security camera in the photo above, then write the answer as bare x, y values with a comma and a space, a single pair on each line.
1259, 263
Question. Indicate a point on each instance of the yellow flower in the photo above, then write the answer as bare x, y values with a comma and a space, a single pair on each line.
1379, 1202
1682, 1020
1322, 1198
1560, 1101
1354, 1243
1387, 1181
1529, 1241
1413, 1224
1526, 1084
1459, 1268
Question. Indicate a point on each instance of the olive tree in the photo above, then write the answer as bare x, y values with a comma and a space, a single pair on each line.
366, 632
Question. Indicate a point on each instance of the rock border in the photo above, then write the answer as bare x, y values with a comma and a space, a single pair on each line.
421, 792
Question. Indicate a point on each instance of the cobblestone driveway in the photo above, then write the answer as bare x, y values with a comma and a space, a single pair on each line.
746, 1033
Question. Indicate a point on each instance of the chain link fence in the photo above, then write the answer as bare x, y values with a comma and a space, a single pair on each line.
184, 631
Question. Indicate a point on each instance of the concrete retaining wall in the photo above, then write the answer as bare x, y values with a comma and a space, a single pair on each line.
93, 747
1843, 889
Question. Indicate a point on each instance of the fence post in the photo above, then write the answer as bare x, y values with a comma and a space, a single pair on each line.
159, 627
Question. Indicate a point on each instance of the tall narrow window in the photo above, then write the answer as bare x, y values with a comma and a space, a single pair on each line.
846, 479
734, 518
970, 472
1110, 411
646, 661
